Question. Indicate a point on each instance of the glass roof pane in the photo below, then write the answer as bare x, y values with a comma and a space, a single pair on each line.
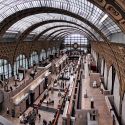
81, 7
30, 20
62, 29
76, 38
42, 28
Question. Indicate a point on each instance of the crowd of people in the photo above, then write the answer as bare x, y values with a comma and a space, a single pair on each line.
30, 117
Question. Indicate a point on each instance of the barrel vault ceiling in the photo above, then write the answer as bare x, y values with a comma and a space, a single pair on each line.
24, 17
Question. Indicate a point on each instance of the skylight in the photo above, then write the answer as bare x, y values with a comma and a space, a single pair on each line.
82, 8
103, 18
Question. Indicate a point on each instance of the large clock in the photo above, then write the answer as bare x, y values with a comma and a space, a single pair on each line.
75, 45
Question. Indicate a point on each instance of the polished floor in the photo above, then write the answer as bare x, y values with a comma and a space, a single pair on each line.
99, 99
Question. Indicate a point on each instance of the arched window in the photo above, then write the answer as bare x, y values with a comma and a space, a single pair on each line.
51, 49
42, 55
5, 69
53, 52
57, 50
34, 58
48, 52
21, 61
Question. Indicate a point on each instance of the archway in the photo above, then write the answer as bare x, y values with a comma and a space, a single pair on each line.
111, 79
5, 70
42, 55
34, 58
116, 94
19, 67
105, 76
98, 64
102, 67
21, 61
95, 57
48, 52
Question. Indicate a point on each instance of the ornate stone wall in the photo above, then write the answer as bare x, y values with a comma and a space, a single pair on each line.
10, 51
114, 54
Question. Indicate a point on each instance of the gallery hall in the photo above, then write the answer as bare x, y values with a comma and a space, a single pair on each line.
62, 62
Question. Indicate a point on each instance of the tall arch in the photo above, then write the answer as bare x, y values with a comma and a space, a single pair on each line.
48, 52
42, 55
105, 75
34, 59
116, 94
111, 78
102, 66
99, 64
5, 69
21, 61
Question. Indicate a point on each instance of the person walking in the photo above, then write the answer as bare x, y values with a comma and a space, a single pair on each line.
8, 111
39, 117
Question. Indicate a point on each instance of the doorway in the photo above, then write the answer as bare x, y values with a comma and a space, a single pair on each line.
32, 98
113, 78
39, 90
27, 103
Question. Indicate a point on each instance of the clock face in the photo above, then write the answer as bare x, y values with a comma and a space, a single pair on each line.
75, 45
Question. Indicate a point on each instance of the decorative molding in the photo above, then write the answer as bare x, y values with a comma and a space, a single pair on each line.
112, 10
121, 3
122, 23
102, 3
107, 54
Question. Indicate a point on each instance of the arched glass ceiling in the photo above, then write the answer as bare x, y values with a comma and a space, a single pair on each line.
26, 22
81, 7
42, 28
65, 33
58, 24
57, 29
23, 24
62, 30
76, 38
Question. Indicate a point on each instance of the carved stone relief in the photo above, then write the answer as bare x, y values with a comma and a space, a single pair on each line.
111, 10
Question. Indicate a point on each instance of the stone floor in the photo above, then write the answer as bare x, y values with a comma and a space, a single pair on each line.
53, 96
99, 100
